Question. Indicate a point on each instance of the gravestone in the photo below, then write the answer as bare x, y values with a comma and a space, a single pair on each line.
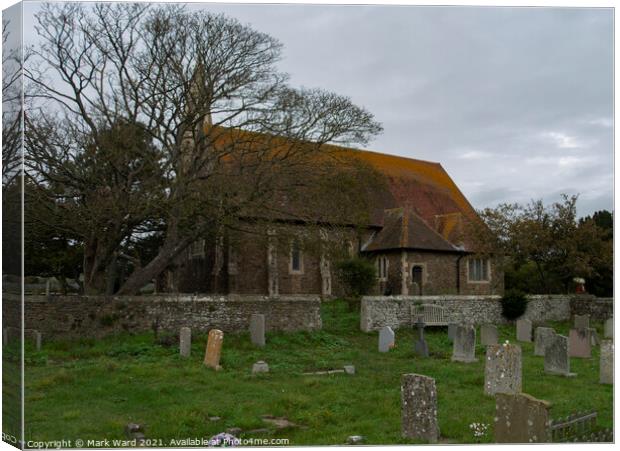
502, 369
419, 408
607, 362
5, 336
257, 329
349, 369
542, 337
582, 321
521, 418
185, 341
609, 328
452, 330
580, 343
594, 341
420, 347
524, 330
260, 367
557, 360
464, 346
488, 335
37, 340
386, 339
214, 349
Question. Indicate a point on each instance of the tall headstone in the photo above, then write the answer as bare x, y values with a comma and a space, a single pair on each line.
257, 329
582, 321
452, 330
421, 347
607, 362
502, 370
419, 408
557, 360
185, 341
488, 335
464, 346
609, 328
37, 340
580, 343
386, 339
542, 337
214, 349
521, 418
524, 330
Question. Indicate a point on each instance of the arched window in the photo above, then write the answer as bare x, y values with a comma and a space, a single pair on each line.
382, 268
296, 264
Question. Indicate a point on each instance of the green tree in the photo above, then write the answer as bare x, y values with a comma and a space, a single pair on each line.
357, 276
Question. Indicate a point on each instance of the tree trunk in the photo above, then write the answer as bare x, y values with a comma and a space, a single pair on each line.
94, 278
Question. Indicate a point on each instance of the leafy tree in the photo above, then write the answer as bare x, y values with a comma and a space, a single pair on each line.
357, 276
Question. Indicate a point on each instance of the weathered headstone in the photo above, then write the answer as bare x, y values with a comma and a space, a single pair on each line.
502, 370
386, 339
524, 330
521, 418
419, 408
257, 329
609, 328
260, 367
185, 341
580, 343
557, 360
594, 341
464, 346
421, 347
582, 321
542, 337
488, 335
37, 340
349, 369
607, 362
452, 330
214, 349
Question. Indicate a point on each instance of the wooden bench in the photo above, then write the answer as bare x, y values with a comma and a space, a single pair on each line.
432, 315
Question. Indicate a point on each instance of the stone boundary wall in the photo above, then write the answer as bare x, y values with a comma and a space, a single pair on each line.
394, 311
97, 316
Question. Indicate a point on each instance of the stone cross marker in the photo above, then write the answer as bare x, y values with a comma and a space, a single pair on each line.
464, 346
502, 370
582, 321
521, 418
214, 349
257, 329
607, 362
542, 337
185, 341
386, 339
609, 328
419, 408
488, 335
580, 343
524, 330
557, 360
452, 330
420, 347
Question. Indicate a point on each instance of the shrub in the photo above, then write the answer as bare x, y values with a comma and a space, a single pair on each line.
357, 276
514, 304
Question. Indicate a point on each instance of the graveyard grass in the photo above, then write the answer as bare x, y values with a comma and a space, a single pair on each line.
90, 389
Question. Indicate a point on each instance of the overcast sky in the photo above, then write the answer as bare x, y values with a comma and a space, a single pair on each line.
515, 103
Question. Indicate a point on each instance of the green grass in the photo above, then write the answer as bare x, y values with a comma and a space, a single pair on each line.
90, 389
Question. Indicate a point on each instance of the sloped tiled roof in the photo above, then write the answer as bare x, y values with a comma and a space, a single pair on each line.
403, 229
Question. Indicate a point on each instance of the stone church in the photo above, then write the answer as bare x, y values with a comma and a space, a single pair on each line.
416, 236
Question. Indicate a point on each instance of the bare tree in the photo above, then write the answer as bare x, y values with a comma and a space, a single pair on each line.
204, 90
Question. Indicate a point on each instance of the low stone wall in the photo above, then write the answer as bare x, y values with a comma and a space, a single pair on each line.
599, 309
395, 311
96, 316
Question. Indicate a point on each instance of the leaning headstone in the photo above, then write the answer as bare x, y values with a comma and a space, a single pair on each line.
609, 328
214, 349
257, 329
260, 367
464, 346
488, 335
421, 347
524, 330
607, 362
37, 340
452, 330
521, 418
557, 360
542, 337
580, 343
582, 321
502, 370
185, 341
419, 408
386, 339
